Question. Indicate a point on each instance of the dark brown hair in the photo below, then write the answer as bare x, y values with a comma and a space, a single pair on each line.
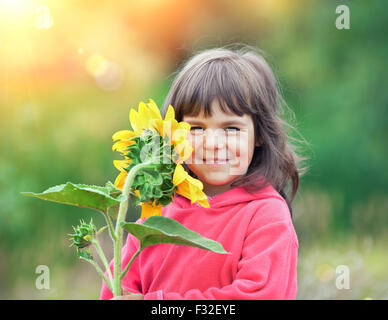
242, 82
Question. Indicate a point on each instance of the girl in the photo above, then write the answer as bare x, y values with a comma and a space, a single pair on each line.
242, 156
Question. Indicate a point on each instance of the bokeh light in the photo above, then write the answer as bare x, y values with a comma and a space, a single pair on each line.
324, 272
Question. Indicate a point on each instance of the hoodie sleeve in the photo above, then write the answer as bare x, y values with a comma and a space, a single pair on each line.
131, 281
267, 268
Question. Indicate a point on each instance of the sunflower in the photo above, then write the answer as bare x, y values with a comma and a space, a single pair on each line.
156, 185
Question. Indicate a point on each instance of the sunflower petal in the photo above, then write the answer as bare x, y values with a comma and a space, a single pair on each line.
137, 192
148, 210
144, 113
158, 125
136, 121
121, 164
120, 180
165, 129
154, 110
123, 135
180, 175
184, 190
195, 182
203, 203
184, 126
122, 145
170, 114
184, 149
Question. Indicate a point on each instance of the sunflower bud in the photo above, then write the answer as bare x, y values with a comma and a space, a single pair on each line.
83, 236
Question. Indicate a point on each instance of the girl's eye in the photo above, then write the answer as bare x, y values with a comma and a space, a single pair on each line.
232, 129
196, 130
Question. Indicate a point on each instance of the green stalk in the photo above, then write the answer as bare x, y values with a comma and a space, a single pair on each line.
119, 231
103, 259
130, 263
100, 272
109, 222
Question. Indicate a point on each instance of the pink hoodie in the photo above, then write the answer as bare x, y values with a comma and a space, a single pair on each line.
256, 229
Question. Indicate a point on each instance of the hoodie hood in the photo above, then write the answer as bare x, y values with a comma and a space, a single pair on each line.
232, 197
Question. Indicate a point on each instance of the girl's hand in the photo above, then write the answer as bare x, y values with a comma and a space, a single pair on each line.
129, 296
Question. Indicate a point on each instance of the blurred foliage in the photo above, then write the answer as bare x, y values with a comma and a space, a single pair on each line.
66, 85
336, 80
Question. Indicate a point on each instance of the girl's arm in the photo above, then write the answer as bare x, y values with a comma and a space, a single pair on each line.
267, 268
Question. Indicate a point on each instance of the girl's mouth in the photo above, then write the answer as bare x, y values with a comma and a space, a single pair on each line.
215, 161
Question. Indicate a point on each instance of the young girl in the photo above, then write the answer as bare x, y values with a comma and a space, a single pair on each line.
242, 156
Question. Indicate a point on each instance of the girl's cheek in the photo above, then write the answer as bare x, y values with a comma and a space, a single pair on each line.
234, 146
239, 148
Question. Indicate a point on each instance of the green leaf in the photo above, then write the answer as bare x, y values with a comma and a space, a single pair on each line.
112, 189
157, 193
115, 192
153, 176
139, 180
104, 199
165, 200
158, 230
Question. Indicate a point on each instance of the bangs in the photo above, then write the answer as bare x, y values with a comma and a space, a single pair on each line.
216, 81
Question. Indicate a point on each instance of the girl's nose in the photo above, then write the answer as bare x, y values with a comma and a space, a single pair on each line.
214, 139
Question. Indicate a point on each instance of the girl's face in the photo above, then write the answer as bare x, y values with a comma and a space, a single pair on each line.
223, 148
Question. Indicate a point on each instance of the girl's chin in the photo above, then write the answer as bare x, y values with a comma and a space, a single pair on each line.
217, 181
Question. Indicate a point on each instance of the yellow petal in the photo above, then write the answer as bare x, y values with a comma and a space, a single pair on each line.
145, 114
170, 114
148, 210
184, 126
137, 192
123, 135
120, 179
203, 203
122, 145
195, 182
191, 188
158, 125
136, 121
154, 110
184, 190
121, 164
167, 129
184, 149
180, 175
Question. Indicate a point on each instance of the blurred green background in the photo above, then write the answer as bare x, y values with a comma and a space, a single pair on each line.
71, 70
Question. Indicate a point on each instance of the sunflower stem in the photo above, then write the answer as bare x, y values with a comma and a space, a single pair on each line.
111, 230
103, 258
100, 272
119, 231
130, 263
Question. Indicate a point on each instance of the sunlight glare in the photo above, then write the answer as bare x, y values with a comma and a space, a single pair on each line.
16, 6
